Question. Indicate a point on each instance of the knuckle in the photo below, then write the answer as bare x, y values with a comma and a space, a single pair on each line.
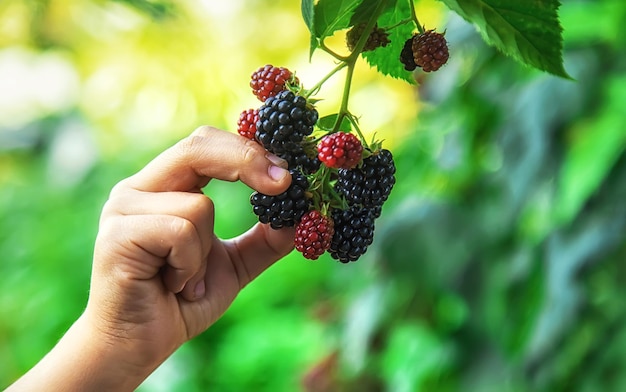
119, 188
203, 131
202, 205
183, 230
189, 145
250, 150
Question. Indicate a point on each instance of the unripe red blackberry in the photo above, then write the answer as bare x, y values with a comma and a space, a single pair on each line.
340, 150
284, 121
377, 38
406, 56
369, 184
246, 125
269, 80
313, 234
354, 232
285, 209
430, 50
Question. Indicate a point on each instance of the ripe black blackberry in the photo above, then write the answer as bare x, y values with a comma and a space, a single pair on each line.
299, 159
406, 56
354, 232
377, 38
369, 184
430, 50
285, 209
284, 121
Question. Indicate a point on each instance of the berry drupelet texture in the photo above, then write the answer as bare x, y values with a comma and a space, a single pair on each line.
369, 184
313, 234
285, 209
340, 150
299, 159
246, 125
430, 50
284, 121
269, 80
354, 232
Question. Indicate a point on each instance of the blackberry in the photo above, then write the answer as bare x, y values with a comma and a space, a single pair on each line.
285, 209
246, 125
340, 150
406, 56
313, 234
369, 184
269, 80
354, 232
284, 121
430, 50
300, 159
377, 38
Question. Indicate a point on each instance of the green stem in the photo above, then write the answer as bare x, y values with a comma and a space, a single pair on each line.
331, 52
351, 62
400, 23
420, 28
319, 84
355, 124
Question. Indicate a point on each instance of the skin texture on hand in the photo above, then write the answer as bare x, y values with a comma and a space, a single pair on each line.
160, 275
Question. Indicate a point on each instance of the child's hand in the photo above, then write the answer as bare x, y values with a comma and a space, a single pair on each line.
160, 275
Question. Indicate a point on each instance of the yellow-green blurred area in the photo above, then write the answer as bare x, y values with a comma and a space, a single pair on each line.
498, 262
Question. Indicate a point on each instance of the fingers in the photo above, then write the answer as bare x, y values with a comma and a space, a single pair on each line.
212, 153
257, 249
137, 247
194, 207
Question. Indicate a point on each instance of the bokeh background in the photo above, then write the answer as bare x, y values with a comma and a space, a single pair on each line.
498, 263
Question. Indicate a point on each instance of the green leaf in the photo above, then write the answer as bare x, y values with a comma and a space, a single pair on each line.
308, 14
327, 123
364, 11
387, 59
528, 31
333, 15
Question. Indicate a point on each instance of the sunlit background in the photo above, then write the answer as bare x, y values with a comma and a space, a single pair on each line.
498, 263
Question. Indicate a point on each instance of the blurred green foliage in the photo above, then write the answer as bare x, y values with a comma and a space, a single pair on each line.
498, 261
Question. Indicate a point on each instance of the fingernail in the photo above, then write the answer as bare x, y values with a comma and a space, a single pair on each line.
276, 160
200, 289
277, 173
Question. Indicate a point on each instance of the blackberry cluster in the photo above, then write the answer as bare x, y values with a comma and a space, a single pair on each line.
284, 121
354, 232
370, 184
336, 194
377, 38
285, 209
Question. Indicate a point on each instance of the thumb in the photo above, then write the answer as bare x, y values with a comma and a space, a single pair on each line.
257, 249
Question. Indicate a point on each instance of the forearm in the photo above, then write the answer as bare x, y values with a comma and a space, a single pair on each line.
83, 361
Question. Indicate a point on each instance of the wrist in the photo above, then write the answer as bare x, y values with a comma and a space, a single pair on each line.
85, 359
